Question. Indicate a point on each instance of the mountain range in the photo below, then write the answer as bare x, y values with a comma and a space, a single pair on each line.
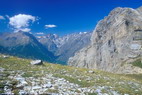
66, 46
47, 47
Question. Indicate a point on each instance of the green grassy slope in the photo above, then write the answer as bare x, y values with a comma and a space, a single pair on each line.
123, 84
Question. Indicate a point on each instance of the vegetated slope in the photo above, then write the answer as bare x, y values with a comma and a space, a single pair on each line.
116, 41
24, 44
22, 77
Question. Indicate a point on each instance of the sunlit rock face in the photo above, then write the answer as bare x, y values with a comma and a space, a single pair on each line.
116, 40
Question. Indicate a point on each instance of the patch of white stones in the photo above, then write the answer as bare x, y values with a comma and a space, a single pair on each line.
48, 84
53, 86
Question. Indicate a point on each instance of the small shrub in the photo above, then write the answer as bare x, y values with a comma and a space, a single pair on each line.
16, 92
91, 94
27, 75
52, 90
137, 63
2, 85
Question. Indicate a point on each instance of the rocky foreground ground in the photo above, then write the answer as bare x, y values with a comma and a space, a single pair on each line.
18, 76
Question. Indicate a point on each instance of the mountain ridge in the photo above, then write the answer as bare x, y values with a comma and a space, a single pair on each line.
23, 44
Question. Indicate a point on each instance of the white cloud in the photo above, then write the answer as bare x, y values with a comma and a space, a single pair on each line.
21, 21
2, 18
50, 26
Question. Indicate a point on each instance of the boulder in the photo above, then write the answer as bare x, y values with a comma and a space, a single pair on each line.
90, 71
5, 56
36, 62
49, 85
1, 69
22, 92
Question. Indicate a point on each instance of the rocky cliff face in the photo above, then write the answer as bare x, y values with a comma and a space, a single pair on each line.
116, 40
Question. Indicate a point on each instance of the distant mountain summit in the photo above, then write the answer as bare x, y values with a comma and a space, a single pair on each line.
23, 44
116, 43
49, 41
66, 46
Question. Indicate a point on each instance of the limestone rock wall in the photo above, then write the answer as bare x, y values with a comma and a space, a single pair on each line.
116, 39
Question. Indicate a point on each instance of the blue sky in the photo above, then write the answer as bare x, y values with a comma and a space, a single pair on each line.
67, 15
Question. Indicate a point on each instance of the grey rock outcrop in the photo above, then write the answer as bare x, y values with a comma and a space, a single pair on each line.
116, 40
